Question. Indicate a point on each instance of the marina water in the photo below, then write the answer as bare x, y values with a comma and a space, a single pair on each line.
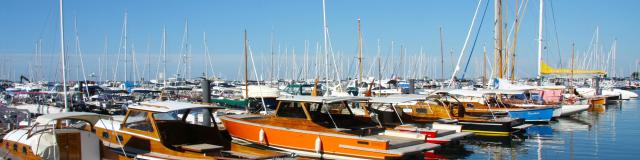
609, 132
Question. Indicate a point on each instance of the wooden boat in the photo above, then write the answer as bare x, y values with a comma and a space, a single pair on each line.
321, 127
52, 138
438, 133
597, 100
497, 103
172, 130
446, 109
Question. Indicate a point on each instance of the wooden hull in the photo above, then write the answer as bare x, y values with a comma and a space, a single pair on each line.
314, 143
597, 101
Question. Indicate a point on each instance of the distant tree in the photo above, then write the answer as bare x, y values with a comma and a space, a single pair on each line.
635, 75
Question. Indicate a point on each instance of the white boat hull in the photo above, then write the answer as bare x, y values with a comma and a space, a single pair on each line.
568, 110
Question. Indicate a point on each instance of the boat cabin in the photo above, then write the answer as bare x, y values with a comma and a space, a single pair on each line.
67, 135
330, 112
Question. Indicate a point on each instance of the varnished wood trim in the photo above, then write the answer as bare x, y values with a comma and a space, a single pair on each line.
306, 111
278, 107
150, 135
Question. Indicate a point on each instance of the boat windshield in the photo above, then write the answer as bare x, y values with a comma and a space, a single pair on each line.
188, 127
338, 115
291, 110
138, 120
166, 116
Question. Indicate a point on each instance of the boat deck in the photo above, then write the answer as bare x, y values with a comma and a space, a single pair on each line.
295, 123
397, 142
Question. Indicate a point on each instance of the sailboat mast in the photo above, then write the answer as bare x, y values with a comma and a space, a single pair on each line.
126, 71
540, 40
164, 56
498, 36
272, 64
206, 52
573, 51
326, 44
441, 55
484, 66
64, 73
359, 53
246, 66
515, 40
379, 69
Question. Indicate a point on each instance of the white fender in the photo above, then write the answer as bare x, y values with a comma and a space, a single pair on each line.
318, 145
261, 136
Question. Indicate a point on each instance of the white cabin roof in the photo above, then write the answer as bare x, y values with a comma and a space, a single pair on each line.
90, 117
393, 100
480, 93
413, 96
168, 106
321, 99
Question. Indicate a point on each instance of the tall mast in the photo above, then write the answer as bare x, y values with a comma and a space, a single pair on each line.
615, 46
573, 51
272, 64
401, 64
441, 55
540, 41
515, 40
164, 56
359, 53
126, 71
206, 52
379, 69
484, 66
64, 63
498, 36
246, 66
326, 43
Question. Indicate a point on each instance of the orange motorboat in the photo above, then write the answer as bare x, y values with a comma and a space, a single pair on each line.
322, 127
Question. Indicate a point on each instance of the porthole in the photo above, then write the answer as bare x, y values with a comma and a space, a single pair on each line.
105, 135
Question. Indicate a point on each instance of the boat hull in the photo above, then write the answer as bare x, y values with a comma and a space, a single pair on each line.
533, 115
316, 144
568, 110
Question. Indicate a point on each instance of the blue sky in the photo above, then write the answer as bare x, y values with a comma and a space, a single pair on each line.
412, 24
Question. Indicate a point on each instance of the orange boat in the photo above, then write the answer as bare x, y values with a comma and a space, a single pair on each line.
172, 130
322, 127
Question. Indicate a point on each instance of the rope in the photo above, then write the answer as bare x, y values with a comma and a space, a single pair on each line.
325, 106
475, 39
397, 114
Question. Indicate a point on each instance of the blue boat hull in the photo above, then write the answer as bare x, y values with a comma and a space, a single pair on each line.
533, 115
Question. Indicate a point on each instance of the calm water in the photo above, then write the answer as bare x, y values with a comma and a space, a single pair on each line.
612, 133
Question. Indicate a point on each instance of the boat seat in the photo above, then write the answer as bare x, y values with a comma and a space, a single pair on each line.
200, 148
